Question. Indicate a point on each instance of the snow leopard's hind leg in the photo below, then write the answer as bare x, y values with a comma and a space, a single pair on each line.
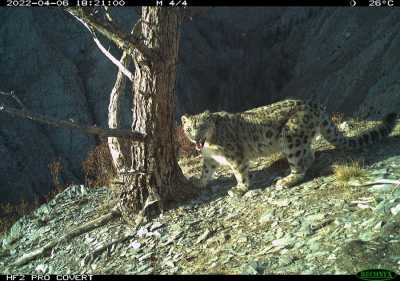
296, 137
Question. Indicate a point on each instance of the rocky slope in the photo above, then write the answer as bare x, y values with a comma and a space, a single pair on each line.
231, 59
322, 226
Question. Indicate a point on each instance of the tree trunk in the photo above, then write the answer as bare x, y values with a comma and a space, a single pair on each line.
156, 177
114, 112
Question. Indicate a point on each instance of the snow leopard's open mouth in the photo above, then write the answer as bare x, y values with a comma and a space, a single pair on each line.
200, 144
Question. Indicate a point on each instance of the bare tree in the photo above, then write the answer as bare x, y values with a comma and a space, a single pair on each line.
153, 176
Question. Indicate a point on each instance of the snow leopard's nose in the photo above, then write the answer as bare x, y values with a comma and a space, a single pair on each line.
200, 144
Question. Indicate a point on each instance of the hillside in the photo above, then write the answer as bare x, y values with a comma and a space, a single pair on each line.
232, 58
334, 223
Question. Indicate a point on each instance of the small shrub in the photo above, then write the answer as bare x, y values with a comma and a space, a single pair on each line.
337, 117
344, 172
98, 167
185, 148
277, 161
10, 213
55, 168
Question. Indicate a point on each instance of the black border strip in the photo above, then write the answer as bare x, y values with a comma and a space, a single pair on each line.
252, 2
88, 277
374, 4
277, 3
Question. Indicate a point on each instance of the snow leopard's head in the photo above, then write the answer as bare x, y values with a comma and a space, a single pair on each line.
198, 127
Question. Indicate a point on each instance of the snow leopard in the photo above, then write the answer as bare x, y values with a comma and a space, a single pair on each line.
287, 126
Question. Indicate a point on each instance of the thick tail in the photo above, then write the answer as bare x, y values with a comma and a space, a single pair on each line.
330, 132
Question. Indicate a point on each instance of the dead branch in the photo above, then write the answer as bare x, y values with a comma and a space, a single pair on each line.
133, 135
120, 66
14, 96
396, 183
108, 16
68, 236
114, 115
98, 251
127, 42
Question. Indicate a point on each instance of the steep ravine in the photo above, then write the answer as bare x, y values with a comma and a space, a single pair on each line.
322, 226
230, 59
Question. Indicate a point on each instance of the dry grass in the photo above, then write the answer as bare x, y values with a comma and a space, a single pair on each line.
10, 213
278, 161
98, 167
98, 171
185, 147
55, 169
345, 171
337, 117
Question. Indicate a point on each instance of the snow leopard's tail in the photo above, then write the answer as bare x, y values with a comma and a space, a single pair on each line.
331, 133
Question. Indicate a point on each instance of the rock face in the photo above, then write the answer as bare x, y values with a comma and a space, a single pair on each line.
322, 226
231, 59
248, 57
55, 71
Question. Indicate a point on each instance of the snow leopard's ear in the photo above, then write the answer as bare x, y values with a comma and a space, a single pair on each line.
206, 114
184, 118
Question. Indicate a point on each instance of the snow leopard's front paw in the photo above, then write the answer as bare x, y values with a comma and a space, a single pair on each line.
289, 181
238, 191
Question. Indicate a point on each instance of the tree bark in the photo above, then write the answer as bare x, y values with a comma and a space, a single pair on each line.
114, 112
156, 178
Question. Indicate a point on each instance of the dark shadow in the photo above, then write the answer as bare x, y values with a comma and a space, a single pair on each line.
322, 166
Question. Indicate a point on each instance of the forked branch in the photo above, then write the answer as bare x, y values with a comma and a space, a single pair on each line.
127, 42
67, 236
133, 135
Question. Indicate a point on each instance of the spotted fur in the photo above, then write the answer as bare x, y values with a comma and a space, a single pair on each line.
288, 126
